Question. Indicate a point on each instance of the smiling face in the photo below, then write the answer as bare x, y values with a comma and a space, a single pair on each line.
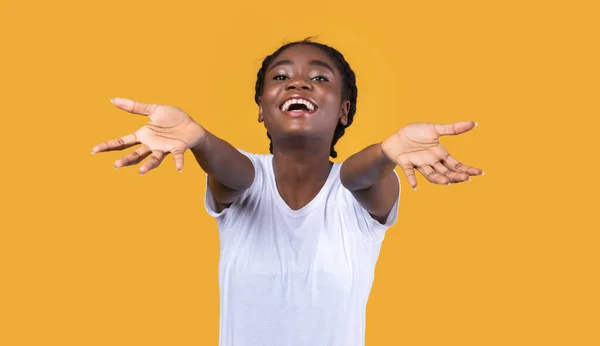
302, 95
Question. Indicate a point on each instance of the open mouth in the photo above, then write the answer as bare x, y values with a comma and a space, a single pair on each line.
298, 105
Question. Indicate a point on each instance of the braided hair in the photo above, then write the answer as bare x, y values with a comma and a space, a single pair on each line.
349, 89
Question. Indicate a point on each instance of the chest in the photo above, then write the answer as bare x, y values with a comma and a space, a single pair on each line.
318, 247
283, 247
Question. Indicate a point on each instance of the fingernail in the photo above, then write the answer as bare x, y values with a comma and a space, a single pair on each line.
469, 179
116, 168
476, 123
141, 174
112, 100
448, 184
92, 152
482, 173
179, 171
414, 188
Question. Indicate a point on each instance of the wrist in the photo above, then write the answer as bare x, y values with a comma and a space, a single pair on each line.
384, 157
196, 136
394, 146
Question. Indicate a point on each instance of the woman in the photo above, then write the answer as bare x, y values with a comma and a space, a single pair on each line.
300, 235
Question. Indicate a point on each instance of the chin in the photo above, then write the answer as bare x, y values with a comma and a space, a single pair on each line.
296, 130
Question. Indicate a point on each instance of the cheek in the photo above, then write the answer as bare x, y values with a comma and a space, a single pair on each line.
270, 94
331, 94
332, 104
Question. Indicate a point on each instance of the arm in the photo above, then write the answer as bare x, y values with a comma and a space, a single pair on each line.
369, 175
171, 130
230, 172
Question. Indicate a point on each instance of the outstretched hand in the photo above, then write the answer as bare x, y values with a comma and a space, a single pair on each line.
170, 130
417, 146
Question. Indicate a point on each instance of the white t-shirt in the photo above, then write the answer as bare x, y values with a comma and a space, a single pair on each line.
295, 277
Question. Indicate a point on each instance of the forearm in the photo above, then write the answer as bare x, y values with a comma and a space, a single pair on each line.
366, 168
224, 164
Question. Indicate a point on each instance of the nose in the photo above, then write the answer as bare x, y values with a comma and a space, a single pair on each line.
298, 83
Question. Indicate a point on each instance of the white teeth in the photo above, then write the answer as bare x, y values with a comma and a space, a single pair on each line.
288, 103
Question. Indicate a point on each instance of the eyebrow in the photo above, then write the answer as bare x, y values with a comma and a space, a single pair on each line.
312, 62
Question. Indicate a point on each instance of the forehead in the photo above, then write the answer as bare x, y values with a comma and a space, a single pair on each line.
302, 54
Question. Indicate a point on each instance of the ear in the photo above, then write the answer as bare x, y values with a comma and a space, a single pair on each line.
344, 112
260, 110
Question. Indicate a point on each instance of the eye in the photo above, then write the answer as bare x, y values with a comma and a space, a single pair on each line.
321, 79
280, 77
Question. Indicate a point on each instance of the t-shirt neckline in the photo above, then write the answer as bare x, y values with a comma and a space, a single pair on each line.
310, 205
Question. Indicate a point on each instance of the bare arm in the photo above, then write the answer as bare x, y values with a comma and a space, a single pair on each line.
369, 175
171, 130
230, 172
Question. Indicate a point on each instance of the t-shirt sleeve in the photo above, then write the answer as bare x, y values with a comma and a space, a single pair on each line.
209, 201
374, 228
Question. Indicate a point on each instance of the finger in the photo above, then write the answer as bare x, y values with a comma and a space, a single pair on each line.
453, 177
178, 158
433, 176
422, 163
409, 172
456, 166
153, 161
117, 144
133, 158
454, 128
134, 107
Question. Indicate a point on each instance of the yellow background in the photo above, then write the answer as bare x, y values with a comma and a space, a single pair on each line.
94, 256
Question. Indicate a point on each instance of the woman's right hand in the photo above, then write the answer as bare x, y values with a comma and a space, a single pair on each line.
170, 130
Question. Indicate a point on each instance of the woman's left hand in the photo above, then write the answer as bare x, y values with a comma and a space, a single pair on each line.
417, 146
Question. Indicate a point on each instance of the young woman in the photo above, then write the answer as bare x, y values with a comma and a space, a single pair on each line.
299, 234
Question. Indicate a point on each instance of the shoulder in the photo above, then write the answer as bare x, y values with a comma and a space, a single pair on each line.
251, 196
353, 210
259, 161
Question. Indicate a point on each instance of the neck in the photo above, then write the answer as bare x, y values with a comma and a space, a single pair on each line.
307, 157
300, 173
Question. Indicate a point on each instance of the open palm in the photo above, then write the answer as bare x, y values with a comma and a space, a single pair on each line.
417, 146
170, 130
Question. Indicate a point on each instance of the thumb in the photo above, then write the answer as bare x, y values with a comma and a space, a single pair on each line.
132, 106
178, 158
454, 128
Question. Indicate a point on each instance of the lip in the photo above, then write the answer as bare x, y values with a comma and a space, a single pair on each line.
298, 96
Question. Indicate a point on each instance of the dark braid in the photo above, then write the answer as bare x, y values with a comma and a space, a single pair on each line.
349, 89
